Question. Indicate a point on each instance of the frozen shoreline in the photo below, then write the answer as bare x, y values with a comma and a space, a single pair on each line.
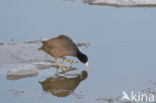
123, 3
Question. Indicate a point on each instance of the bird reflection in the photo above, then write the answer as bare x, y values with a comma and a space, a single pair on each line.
62, 86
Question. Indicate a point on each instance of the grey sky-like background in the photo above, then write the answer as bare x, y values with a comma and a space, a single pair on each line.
24, 20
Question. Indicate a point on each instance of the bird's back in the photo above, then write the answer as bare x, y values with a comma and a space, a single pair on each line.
60, 46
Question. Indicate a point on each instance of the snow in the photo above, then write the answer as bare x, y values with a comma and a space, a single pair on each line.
123, 3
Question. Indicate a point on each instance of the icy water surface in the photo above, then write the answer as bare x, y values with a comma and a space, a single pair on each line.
122, 54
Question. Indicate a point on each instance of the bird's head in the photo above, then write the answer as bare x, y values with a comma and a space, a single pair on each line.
83, 58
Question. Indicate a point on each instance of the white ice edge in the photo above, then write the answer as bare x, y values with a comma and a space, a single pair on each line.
28, 69
123, 2
24, 69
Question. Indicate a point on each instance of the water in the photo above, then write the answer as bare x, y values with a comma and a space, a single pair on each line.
121, 55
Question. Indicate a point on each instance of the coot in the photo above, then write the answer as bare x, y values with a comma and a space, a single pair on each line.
62, 46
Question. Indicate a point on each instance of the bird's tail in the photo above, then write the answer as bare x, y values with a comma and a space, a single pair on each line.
40, 48
43, 42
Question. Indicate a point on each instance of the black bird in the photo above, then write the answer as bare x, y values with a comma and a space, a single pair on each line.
62, 46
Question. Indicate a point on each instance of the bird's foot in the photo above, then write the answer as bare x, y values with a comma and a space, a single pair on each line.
58, 67
64, 69
69, 60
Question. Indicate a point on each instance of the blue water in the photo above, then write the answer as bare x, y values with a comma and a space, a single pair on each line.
121, 55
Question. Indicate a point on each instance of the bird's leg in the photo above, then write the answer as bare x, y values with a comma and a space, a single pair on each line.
57, 64
65, 59
57, 70
62, 64
69, 61
62, 60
